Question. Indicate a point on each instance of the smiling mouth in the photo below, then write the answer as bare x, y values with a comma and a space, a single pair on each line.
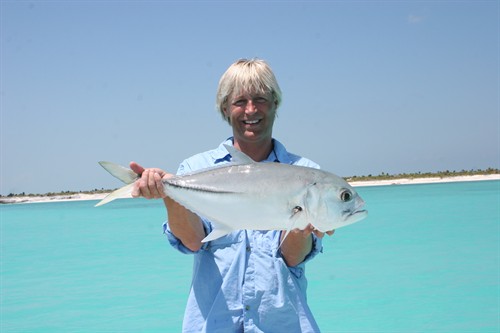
251, 122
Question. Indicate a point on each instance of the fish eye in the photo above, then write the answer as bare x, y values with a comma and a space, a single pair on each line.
345, 195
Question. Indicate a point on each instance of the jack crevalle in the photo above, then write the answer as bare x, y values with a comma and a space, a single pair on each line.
261, 196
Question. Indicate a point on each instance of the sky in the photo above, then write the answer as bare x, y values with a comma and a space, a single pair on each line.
368, 86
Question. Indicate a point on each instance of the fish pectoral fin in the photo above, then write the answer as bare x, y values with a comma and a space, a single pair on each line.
284, 237
296, 210
122, 192
217, 232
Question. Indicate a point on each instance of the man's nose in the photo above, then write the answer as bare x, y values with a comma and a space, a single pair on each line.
250, 107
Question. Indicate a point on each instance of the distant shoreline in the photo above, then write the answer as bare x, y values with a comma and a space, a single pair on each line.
383, 182
427, 180
52, 198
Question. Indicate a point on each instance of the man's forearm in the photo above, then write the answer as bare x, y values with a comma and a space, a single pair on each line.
184, 224
296, 246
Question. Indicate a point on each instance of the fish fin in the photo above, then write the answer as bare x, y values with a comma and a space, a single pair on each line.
122, 173
124, 191
216, 233
296, 210
284, 237
238, 156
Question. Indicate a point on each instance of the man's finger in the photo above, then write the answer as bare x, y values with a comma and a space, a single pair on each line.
143, 185
136, 168
159, 185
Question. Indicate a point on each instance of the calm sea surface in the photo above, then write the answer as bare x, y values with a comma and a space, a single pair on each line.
427, 259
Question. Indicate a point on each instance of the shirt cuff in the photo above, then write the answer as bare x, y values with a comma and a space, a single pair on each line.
176, 242
317, 247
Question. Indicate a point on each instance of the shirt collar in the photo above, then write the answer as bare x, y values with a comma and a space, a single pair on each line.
281, 153
220, 154
278, 154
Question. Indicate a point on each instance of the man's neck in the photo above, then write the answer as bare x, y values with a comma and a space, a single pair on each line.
258, 151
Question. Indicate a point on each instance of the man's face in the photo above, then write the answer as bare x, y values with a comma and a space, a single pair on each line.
251, 115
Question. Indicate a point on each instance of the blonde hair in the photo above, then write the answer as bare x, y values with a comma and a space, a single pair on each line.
247, 75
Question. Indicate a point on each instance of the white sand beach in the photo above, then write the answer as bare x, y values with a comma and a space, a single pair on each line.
52, 198
407, 181
402, 181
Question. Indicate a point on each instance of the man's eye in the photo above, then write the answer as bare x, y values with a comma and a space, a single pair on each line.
260, 100
240, 102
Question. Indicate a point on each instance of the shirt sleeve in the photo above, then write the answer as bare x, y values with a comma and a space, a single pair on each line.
317, 247
176, 242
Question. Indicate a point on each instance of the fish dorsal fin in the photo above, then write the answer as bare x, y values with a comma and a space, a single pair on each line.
238, 156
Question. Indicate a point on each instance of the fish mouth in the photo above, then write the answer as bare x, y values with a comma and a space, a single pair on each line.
356, 215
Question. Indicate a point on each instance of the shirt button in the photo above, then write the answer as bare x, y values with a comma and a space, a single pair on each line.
247, 307
248, 248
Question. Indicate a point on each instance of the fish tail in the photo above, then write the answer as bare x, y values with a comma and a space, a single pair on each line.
122, 173
125, 191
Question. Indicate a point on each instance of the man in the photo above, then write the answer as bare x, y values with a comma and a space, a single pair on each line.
244, 281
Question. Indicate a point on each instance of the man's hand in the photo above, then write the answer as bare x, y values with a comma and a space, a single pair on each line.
318, 233
311, 230
183, 223
150, 185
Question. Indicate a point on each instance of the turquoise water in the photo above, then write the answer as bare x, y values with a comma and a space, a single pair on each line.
427, 259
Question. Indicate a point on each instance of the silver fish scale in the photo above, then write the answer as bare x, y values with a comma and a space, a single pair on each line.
239, 178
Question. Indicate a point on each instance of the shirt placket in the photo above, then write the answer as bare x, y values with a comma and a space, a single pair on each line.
248, 288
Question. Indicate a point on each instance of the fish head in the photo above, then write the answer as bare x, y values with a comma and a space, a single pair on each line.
333, 203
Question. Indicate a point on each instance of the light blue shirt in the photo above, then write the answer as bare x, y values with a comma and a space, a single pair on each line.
240, 281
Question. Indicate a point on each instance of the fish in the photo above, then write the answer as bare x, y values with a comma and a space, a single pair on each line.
245, 194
